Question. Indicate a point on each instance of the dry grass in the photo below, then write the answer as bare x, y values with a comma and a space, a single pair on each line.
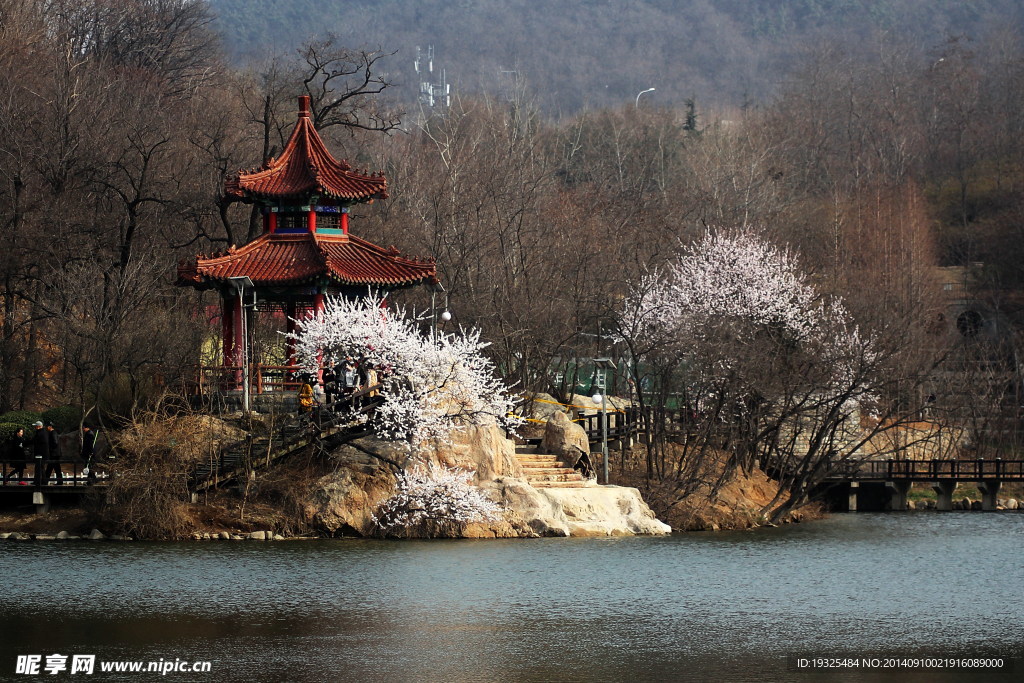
149, 497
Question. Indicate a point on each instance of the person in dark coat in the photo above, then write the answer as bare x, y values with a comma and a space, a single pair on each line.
330, 378
40, 451
53, 465
16, 455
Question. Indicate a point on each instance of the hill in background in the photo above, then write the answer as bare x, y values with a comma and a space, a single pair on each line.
596, 53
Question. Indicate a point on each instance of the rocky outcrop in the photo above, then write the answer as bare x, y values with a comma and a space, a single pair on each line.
588, 511
482, 448
564, 438
342, 502
542, 406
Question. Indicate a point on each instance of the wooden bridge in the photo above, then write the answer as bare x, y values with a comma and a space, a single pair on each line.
930, 470
892, 479
323, 427
31, 488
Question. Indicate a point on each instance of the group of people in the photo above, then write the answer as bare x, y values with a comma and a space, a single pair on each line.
340, 379
44, 451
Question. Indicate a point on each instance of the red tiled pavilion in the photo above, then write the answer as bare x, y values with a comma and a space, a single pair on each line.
305, 251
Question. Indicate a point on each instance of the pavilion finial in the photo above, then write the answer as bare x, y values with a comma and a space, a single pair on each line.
304, 106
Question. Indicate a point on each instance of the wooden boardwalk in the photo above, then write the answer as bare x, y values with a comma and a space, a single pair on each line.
323, 428
929, 470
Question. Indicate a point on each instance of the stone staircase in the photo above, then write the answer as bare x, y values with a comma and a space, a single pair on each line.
547, 471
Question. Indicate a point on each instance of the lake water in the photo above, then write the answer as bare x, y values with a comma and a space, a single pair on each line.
705, 607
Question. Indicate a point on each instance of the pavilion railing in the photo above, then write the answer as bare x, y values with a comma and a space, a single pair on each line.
262, 378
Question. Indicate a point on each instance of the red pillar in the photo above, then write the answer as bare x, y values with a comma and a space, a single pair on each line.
312, 220
344, 220
228, 306
272, 222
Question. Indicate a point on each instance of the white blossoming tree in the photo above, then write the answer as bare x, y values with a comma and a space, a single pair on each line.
431, 385
764, 366
434, 501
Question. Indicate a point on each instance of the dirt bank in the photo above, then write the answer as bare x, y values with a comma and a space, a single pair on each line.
739, 503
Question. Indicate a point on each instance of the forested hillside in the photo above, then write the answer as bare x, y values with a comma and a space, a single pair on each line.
596, 53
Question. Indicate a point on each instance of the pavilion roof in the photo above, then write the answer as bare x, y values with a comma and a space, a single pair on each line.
275, 259
305, 167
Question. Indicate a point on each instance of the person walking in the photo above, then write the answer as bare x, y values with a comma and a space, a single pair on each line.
40, 451
330, 378
350, 377
305, 397
16, 456
53, 465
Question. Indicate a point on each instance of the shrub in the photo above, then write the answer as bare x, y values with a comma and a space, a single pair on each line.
149, 497
25, 418
64, 418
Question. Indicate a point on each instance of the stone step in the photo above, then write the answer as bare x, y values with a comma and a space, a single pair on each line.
536, 471
559, 484
555, 478
539, 460
553, 475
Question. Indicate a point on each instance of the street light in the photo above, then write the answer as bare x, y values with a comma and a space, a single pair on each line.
599, 398
445, 315
241, 283
639, 94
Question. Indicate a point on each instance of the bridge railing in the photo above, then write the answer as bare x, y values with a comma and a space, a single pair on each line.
31, 475
262, 378
621, 423
289, 434
928, 470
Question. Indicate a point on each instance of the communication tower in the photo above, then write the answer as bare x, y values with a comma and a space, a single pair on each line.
432, 94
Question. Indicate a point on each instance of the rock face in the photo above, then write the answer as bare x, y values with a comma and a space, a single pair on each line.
342, 502
588, 511
483, 448
543, 406
565, 438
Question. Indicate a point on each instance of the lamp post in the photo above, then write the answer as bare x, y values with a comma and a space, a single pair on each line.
241, 283
601, 398
637, 106
445, 315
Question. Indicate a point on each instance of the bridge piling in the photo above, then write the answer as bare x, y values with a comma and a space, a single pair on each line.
41, 501
854, 490
897, 491
944, 490
989, 490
